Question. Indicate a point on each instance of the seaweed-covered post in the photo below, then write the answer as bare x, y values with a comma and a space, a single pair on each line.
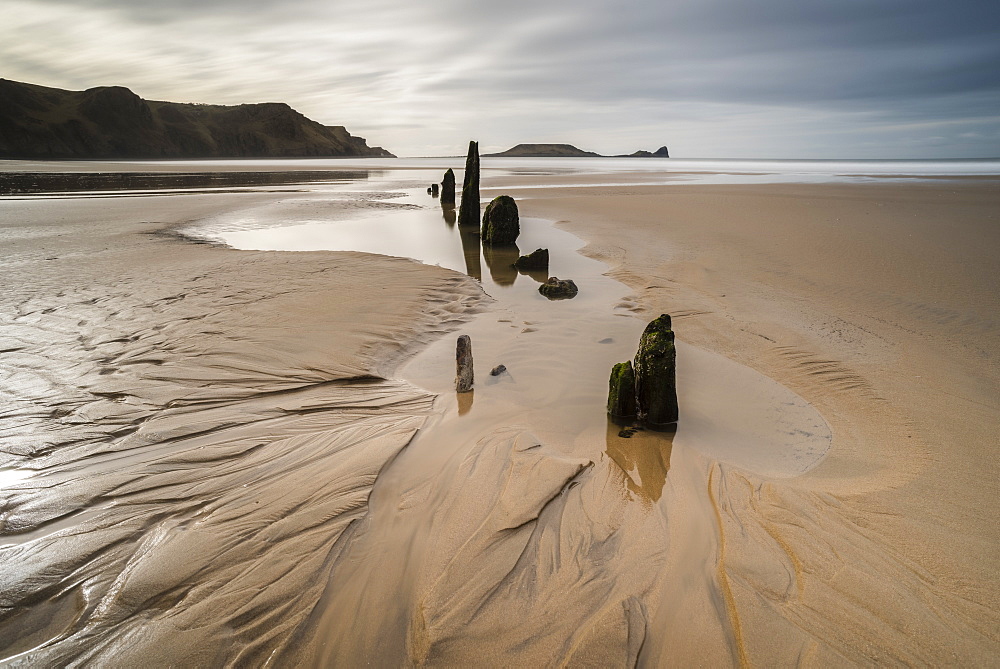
621, 391
501, 225
463, 364
448, 188
655, 374
468, 212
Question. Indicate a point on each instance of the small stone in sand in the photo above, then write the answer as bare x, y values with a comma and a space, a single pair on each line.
498, 370
558, 289
537, 259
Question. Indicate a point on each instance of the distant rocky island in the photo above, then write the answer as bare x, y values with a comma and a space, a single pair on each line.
567, 151
543, 151
109, 122
659, 153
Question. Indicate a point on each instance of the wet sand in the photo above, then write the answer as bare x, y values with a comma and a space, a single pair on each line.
241, 459
878, 304
198, 425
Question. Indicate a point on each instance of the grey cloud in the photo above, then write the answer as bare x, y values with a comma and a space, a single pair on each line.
870, 69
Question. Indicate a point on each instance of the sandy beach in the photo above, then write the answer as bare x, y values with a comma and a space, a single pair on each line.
877, 304
212, 456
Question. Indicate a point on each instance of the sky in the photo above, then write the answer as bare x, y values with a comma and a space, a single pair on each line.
707, 78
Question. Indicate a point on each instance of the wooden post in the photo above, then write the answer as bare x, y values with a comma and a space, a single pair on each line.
463, 364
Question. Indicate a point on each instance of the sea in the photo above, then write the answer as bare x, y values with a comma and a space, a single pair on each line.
620, 171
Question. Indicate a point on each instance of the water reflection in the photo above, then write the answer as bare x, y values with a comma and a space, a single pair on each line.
500, 260
643, 457
539, 275
470, 248
448, 211
465, 401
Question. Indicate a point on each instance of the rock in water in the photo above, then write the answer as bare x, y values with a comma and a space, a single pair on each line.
621, 391
463, 364
433, 190
448, 187
558, 289
655, 374
537, 259
500, 222
468, 211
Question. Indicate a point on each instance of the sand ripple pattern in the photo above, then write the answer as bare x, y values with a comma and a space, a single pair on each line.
183, 444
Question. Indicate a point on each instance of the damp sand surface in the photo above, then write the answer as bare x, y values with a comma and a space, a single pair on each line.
241, 458
530, 458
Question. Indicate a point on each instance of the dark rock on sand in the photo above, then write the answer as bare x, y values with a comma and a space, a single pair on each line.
537, 259
448, 187
500, 221
621, 391
655, 374
498, 370
558, 289
433, 190
468, 211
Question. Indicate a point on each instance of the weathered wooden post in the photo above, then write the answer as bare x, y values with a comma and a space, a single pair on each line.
655, 374
468, 211
463, 364
501, 225
448, 188
621, 391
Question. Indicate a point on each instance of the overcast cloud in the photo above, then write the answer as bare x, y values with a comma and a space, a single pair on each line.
709, 78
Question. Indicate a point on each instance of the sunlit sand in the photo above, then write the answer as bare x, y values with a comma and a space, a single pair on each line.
231, 434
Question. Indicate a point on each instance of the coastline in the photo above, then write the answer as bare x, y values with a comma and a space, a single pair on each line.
849, 561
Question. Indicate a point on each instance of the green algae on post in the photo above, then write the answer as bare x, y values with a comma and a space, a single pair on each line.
500, 221
621, 391
655, 374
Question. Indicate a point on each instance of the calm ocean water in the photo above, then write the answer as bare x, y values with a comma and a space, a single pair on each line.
620, 171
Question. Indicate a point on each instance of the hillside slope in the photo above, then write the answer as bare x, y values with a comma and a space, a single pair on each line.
113, 122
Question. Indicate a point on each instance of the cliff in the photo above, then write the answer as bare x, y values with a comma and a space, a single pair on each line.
113, 122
